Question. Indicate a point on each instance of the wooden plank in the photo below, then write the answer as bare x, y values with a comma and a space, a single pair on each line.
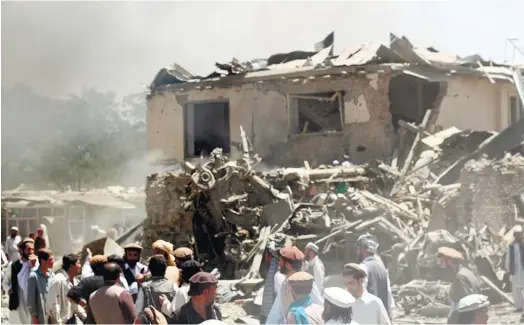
497, 289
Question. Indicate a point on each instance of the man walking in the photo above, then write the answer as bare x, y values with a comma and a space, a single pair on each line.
515, 267
367, 308
38, 287
60, 307
112, 304
11, 245
315, 267
377, 279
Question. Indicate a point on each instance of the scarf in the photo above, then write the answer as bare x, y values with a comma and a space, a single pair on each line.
298, 308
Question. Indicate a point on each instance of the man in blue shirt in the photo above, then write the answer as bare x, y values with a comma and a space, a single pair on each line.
38, 287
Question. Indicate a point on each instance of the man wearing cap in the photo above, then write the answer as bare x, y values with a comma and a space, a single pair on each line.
15, 282
337, 306
291, 261
201, 306
367, 308
315, 267
134, 271
515, 267
165, 248
302, 310
11, 245
377, 279
465, 282
189, 268
182, 254
473, 309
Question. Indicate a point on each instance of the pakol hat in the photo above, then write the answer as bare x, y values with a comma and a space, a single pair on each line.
163, 246
183, 253
449, 252
199, 280
339, 297
98, 259
355, 269
312, 246
472, 302
292, 253
301, 280
133, 247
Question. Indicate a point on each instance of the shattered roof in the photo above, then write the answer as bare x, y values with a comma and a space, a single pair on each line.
400, 52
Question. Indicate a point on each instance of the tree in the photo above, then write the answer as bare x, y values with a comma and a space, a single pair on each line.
81, 141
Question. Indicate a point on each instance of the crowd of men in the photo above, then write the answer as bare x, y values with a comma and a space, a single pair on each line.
294, 290
173, 288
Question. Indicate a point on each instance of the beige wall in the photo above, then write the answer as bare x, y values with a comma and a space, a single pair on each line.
475, 103
262, 109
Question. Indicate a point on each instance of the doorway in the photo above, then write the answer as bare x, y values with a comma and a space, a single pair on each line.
206, 127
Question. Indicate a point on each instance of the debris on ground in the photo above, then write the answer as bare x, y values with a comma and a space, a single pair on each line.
229, 211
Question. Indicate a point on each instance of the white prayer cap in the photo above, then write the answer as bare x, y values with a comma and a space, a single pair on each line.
336, 163
472, 302
339, 297
14, 228
517, 229
312, 246
213, 322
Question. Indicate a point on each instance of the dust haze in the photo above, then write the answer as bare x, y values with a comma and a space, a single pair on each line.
59, 48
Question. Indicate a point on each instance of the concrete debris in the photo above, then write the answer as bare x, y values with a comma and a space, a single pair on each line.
229, 212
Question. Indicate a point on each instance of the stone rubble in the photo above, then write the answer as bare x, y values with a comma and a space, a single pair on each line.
230, 212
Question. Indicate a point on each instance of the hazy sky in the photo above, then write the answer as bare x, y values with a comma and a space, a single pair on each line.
59, 46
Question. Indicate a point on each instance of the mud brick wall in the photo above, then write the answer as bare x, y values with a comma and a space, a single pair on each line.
488, 188
166, 217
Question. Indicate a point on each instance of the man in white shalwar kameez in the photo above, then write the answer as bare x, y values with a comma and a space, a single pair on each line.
291, 260
20, 314
515, 267
315, 267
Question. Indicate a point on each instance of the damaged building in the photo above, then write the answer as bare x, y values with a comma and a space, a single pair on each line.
318, 107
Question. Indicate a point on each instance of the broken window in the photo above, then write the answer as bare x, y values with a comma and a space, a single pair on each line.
317, 112
410, 97
206, 127
515, 109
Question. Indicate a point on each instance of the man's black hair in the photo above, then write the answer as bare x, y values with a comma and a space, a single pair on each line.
157, 265
111, 272
44, 254
190, 268
68, 261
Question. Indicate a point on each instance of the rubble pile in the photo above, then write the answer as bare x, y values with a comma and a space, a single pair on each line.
229, 212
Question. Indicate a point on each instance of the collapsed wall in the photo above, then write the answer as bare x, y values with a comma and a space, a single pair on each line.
488, 190
167, 216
